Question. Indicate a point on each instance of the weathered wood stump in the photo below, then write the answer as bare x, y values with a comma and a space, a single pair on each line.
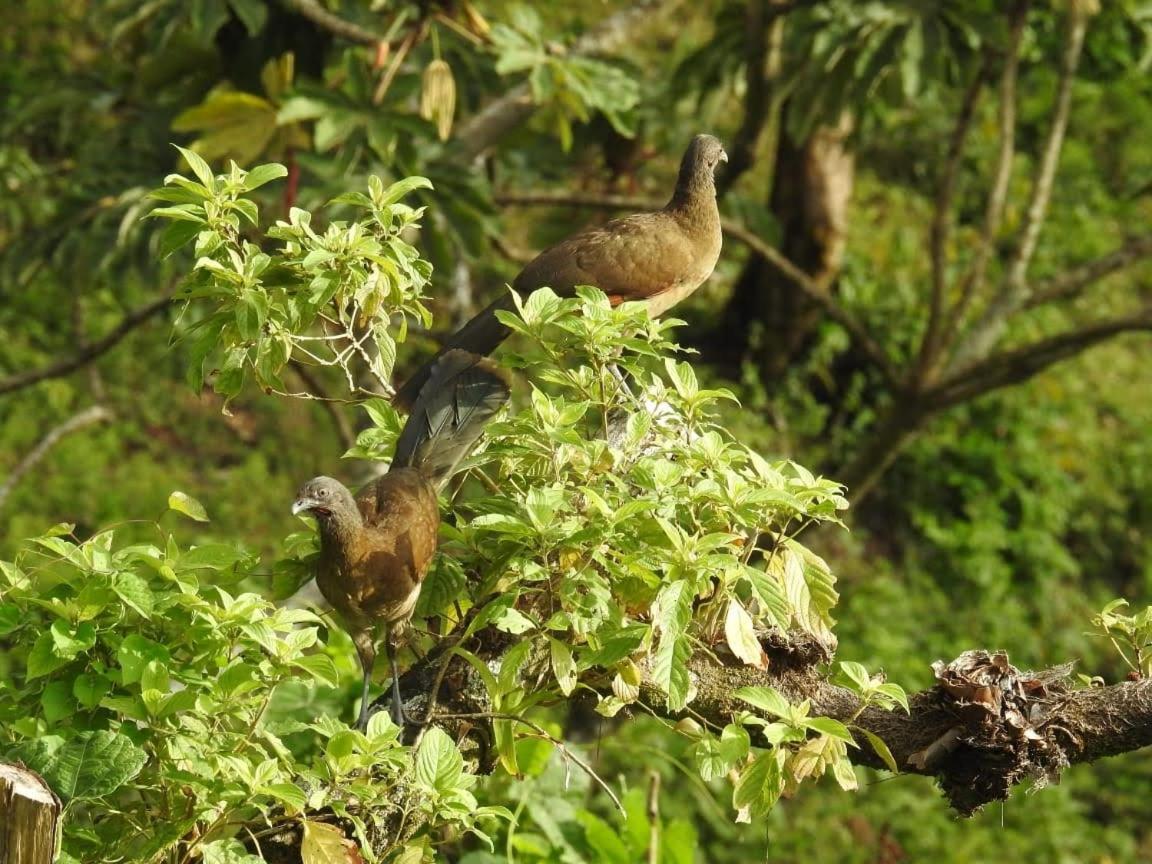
29, 815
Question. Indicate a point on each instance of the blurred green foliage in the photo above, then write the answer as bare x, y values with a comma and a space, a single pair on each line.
1008, 522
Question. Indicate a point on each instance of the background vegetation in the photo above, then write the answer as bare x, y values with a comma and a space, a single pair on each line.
933, 288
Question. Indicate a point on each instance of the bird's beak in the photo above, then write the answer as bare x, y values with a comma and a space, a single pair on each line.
723, 156
301, 505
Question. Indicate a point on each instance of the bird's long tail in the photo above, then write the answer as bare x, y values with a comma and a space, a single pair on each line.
462, 393
481, 335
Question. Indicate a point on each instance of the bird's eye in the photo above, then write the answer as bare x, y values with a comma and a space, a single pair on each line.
323, 493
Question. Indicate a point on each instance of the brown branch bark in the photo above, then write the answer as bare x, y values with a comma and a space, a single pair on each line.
985, 727
340, 423
942, 218
1020, 364
333, 23
87, 417
487, 126
973, 280
90, 352
813, 288
1014, 292
1069, 285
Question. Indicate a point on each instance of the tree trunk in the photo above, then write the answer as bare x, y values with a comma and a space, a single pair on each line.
29, 814
811, 189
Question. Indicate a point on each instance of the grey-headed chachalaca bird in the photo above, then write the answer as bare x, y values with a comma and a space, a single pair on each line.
659, 258
376, 547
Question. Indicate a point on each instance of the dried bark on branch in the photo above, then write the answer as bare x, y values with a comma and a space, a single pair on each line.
985, 728
87, 417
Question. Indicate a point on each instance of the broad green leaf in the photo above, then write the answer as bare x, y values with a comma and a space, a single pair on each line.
262, 174
43, 659
671, 613
767, 699
881, 749
759, 786
326, 844
563, 666
439, 765
136, 652
90, 765
181, 502
230, 851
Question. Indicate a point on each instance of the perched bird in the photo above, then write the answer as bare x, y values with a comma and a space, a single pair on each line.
376, 547
659, 258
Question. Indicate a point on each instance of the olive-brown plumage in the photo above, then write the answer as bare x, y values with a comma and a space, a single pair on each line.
658, 258
376, 547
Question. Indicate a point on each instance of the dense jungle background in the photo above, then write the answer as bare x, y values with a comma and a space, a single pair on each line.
935, 289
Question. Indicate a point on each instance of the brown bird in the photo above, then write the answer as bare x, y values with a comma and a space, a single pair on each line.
659, 258
375, 548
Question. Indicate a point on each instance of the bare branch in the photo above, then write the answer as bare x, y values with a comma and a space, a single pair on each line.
942, 215
1020, 364
994, 211
88, 353
817, 290
764, 29
1014, 293
87, 417
339, 420
484, 128
1069, 284
333, 23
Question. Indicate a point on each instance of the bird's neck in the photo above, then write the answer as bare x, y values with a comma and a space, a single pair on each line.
695, 195
340, 530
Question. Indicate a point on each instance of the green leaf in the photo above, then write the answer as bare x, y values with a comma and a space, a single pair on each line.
135, 653
230, 851
563, 665
321, 667
439, 765
89, 688
881, 749
399, 189
89, 766
326, 844
262, 174
211, 556
671, 613
199, 167
43, 659
57, 701
68, 641
604, 839
759, 786
286, 793
189, 506
767, 699
133, 590
10, 618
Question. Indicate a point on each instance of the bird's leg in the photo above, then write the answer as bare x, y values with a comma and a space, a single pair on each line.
623, 380
397, 703
366, 649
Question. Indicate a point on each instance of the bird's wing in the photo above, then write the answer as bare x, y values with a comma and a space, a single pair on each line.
632, 258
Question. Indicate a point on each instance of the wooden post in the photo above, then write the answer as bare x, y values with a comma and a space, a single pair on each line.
29, 815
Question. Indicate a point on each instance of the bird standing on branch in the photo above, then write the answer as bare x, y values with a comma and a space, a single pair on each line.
376, 547
658, 258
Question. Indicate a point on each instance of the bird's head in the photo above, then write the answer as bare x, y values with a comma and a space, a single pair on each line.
705, 153
322, 497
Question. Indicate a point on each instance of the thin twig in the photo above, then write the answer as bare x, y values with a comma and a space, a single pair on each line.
942, 215
541, 732
1068, 285
973, 280
316, 390
87, 417
90, 352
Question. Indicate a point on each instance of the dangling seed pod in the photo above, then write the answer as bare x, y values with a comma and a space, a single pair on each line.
438, 97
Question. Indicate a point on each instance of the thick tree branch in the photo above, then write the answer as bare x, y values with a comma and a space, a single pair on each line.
1068, 285
88, 353
973, 279
1020, 364
487, 126
1014, 292
942, 216
813, 288
986, 727
87, 417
